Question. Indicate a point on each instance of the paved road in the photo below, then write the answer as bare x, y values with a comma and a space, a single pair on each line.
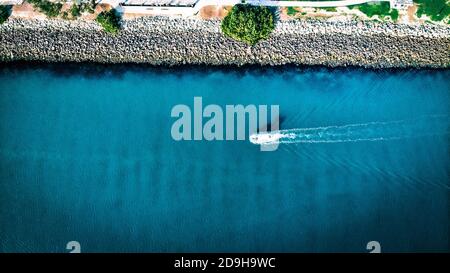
189, 11
317, 4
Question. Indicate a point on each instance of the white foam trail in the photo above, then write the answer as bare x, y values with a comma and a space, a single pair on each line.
371, 131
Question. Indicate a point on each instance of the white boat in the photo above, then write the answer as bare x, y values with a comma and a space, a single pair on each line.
265, 138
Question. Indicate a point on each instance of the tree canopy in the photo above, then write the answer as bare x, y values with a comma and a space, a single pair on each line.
249, 24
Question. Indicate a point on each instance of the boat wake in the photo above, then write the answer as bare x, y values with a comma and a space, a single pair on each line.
371, 131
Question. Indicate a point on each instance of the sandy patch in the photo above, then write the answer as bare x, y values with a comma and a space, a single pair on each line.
102, 7
284, 15
214, 12
26, 10
412, 13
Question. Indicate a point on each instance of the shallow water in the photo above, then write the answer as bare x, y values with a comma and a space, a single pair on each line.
86, 154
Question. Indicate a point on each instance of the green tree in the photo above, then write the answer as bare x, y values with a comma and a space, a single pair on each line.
249, 24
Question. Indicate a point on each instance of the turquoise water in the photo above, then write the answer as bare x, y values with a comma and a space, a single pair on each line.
86, 154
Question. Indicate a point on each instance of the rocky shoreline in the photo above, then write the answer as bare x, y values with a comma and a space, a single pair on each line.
168, 41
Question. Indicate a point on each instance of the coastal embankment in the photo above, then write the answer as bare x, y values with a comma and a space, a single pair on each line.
174, 41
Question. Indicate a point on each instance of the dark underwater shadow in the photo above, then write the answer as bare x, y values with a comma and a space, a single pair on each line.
99, 70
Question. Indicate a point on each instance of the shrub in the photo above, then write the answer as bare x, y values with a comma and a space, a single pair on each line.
109, 20
89, 7
437, 10
48, 8
5, 11
75, 10
291, 11
65, 15
394, 15
330, 9
249, 24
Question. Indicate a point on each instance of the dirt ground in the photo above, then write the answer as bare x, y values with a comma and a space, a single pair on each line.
214, 12
411, 13
26, 10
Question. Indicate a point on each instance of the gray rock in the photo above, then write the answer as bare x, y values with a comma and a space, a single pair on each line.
166, 41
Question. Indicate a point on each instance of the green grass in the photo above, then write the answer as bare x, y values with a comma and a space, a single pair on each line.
109, 20
48, 8
437, 10
249, 24
382, 10
5, 11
